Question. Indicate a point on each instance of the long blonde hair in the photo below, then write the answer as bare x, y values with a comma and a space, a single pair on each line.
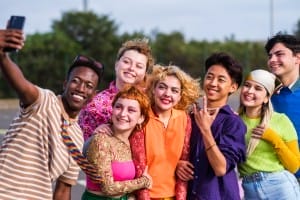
266, 113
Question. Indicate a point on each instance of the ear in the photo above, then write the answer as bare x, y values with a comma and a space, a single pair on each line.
298, 58
116, 65
141, 119
266, 99
65, 84
233, 88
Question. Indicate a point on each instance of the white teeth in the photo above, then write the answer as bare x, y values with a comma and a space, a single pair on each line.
166, 101
122, 120
78, 96
129, 75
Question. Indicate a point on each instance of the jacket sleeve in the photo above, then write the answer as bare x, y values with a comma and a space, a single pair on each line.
181, 186
288, 152
138, 149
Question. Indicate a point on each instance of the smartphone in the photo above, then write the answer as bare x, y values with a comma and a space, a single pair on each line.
15, 22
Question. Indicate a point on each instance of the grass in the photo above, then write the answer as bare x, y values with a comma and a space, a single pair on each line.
2, 131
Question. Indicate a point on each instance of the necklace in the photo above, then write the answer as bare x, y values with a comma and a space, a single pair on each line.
122, 140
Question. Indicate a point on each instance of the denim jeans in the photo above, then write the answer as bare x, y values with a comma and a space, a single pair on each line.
281, 185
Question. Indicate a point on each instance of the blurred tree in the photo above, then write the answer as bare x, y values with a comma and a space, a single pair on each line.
297, 30
97, 36
169, 49
46, 57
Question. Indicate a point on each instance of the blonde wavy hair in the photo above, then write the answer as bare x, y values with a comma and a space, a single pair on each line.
190, 87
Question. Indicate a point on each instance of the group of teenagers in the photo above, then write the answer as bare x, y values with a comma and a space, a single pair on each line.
156, 133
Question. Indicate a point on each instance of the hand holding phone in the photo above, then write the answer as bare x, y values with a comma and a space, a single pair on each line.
15, 22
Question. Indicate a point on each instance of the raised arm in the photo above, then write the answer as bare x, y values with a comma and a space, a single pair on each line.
25, 90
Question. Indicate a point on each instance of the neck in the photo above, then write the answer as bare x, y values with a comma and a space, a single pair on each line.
123, 135
253, 112
119, 84
162, 113
290, 78
163, 116
71, 114
216, 104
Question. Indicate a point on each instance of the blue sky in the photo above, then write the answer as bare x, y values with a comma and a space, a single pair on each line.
196, 19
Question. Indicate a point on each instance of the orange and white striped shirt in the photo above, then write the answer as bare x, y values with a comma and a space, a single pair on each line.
32, 153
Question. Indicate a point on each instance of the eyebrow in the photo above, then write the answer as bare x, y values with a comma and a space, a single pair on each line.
162, 83
275, 52
219, 76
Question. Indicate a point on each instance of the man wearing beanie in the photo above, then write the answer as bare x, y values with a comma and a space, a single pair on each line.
272, 147
283, 61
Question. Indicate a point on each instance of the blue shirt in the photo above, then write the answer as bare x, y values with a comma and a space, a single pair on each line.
229, 132
287, 101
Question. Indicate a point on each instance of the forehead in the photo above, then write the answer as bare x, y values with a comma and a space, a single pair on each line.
171, 81
254, 83
128, 102
279, 47
84, 73
218, 70
135, 55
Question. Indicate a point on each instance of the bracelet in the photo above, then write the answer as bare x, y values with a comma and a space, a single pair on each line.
211, 146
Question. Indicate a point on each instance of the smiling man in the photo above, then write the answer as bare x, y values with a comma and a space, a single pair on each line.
284, 61
33, 154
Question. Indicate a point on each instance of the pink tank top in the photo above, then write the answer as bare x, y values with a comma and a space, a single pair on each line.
122, 171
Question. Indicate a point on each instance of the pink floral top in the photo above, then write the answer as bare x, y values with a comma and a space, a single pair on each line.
98, 111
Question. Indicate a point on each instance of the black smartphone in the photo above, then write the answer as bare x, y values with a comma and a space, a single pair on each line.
15, 22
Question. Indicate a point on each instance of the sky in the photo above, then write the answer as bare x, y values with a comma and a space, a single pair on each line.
196, 19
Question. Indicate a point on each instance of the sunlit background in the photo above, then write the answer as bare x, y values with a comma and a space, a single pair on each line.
196, 19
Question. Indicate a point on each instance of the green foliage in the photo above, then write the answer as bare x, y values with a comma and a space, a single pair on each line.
96, 35
297, 30
46, 57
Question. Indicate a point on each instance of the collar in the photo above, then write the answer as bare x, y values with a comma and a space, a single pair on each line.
227, 109
112, 87
292, 87
295, 85
174, 113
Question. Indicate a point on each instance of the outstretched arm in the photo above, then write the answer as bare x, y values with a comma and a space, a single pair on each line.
26, 91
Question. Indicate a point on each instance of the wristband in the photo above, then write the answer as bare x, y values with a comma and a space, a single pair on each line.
211, 146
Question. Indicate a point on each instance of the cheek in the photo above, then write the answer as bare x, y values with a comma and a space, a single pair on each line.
141, 74
177, 98
113, 118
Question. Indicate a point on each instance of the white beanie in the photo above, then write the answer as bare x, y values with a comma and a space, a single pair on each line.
264, 78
